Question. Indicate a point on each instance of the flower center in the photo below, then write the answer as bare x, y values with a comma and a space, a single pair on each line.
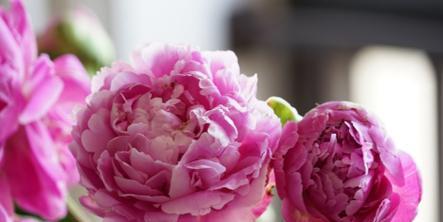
341, 170
162, 117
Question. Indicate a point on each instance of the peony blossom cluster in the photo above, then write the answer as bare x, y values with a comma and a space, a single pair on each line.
37, 96
338, 164
177, 135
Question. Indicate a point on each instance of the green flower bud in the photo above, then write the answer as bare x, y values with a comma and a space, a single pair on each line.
283, 110
79, 32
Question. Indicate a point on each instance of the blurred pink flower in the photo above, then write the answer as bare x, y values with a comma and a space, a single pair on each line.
78, 31
337, 164
37, 97
177, 136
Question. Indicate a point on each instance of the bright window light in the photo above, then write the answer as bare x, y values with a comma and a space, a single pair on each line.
399, 86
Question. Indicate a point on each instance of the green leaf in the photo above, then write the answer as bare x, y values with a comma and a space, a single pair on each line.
69, 218
283, 110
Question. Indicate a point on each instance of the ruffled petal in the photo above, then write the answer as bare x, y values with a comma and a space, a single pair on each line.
76, 82
38, 187
410, 193
202, 203
6, 202
43, 89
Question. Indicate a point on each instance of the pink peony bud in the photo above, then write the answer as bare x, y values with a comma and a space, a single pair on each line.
178, 135
337, 164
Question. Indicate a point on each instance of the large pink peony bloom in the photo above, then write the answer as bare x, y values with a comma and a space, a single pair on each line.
337, 164
176, 136
37, 97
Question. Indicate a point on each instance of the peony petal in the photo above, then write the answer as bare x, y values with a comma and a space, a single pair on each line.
6, 202
219, 118
17, 39
4, 217
149, 198
388, 156
393, 165
122, 81
76, 82
104, 199
44, 89
106, 171
160, 217
10, 112
10, 53
215, 167
203, 203
91, 205
288, 140
230, 213
35, 189
410, 193
156, 59
44, 149
19, 21
132, 186
180, 182
92, 142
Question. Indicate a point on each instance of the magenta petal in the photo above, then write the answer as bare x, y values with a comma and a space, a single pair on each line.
23, 30
91, 142
215, 167
157, 59
220, 60
2, 152
91, 205
44, 90
35, 189
160, 217
230, 213
76, 82
129, 186
4, 217
410, 193
288, 140
130, 78
67, 162
17, 41
392, 162
43, 147
9, 115
5, 195
202, 203
104, 199
105, 171
9, 52
296, 190
180, 182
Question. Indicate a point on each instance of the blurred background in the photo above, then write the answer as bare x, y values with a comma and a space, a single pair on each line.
386, 55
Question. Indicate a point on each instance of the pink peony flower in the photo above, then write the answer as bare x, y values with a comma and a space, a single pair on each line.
36, 100
176, 136
337, 164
